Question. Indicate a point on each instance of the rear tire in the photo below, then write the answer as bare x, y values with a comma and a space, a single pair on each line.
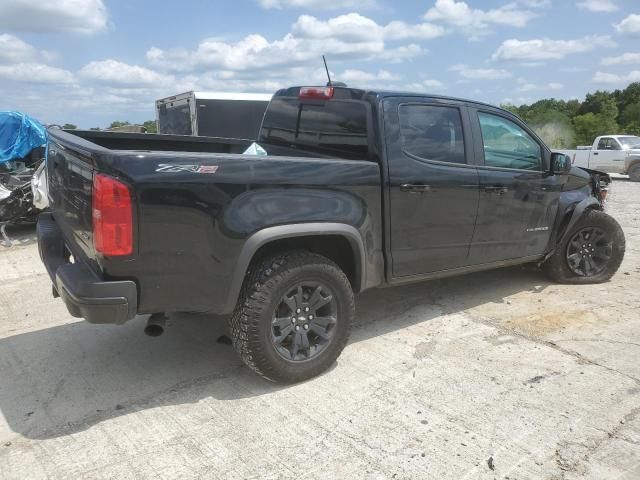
590, 253
634, 173
274, 329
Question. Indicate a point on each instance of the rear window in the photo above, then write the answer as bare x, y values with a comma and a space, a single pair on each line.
432, 132
334, 127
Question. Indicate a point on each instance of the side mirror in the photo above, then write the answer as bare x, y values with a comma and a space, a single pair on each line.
560, 163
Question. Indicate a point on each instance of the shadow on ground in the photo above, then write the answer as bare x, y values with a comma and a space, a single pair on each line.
65, 379
23, 235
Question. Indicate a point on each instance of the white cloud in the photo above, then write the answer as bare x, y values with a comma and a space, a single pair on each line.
399, 54
598, 5
470, 73
114, 72
424, 86
525, 86
353, 26
430, 83
35, 73
346, 36
624, 59
476, 21
547, 49
319, 4
14, 50
630, 25
77, 16
359, 76
601, 77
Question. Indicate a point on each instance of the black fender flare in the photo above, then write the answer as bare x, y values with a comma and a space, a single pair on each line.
578, 212
269, 234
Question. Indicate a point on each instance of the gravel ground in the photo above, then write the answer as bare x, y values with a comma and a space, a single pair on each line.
493, 375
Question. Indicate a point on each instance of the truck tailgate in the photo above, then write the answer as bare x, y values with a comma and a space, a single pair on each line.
70, 176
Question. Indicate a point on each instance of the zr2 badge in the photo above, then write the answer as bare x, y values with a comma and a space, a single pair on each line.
180, 167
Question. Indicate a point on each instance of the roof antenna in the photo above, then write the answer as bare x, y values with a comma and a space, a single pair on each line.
329, 84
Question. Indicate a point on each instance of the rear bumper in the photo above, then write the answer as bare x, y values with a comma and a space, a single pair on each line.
85, 294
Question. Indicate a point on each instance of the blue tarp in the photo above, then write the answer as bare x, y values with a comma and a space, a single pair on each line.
19, 134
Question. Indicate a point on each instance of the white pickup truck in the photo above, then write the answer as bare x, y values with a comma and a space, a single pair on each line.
610, 154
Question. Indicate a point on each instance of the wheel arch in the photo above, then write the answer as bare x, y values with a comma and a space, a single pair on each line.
304, 236
632, 164
572, 215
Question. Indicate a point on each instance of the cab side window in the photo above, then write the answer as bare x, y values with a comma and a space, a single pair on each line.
432, 132
507, 145
608, 144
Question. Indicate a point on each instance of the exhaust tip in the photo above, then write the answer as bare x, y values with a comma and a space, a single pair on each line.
155, 325
154, 330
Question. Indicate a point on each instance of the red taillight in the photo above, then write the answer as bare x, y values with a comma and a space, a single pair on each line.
112, 216
318, 93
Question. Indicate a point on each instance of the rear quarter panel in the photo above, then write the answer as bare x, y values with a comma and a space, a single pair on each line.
197, 210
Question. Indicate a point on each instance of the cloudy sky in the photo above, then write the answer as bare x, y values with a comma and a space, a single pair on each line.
89, 62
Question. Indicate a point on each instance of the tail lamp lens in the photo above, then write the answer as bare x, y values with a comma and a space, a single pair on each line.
316, 93
112, 216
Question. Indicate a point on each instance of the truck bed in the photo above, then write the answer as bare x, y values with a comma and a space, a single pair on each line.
160, 142
195, 202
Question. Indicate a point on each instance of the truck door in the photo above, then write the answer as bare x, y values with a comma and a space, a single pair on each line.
608, 156
433, 184
518, 198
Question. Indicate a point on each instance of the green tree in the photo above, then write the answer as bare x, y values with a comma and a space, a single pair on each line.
626, 97
599, 102
117, 124
69, 126
591, 125
150, 125
630, 119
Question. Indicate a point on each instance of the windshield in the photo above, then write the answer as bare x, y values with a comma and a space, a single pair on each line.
630, 142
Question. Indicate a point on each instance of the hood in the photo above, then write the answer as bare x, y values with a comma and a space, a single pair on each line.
595, 174
580, 177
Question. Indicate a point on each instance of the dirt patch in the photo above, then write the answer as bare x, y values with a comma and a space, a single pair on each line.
546, 322
424, 349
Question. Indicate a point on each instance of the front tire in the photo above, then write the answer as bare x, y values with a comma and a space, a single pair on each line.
634, 173
591, 252
293, 317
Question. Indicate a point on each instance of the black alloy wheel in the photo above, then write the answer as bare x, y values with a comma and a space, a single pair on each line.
589, 251
304, 322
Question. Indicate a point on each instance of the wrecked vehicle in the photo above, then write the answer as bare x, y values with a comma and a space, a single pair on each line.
359, 189
22, 141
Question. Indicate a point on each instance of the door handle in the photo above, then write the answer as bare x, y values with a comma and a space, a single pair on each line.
415, 188
499, 189
595, 153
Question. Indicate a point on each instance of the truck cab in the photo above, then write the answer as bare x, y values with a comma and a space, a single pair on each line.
608, 154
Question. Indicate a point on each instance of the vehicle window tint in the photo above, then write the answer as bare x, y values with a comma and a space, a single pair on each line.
332, 127
611, 144
602, 144
432, 132
507, 145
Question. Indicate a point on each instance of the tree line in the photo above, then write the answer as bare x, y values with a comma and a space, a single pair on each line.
149, 125
567, 123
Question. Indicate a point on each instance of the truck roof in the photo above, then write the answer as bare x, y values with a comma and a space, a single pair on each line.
615, 136
360, 93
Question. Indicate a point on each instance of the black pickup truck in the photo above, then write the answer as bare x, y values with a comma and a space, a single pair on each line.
360, 189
